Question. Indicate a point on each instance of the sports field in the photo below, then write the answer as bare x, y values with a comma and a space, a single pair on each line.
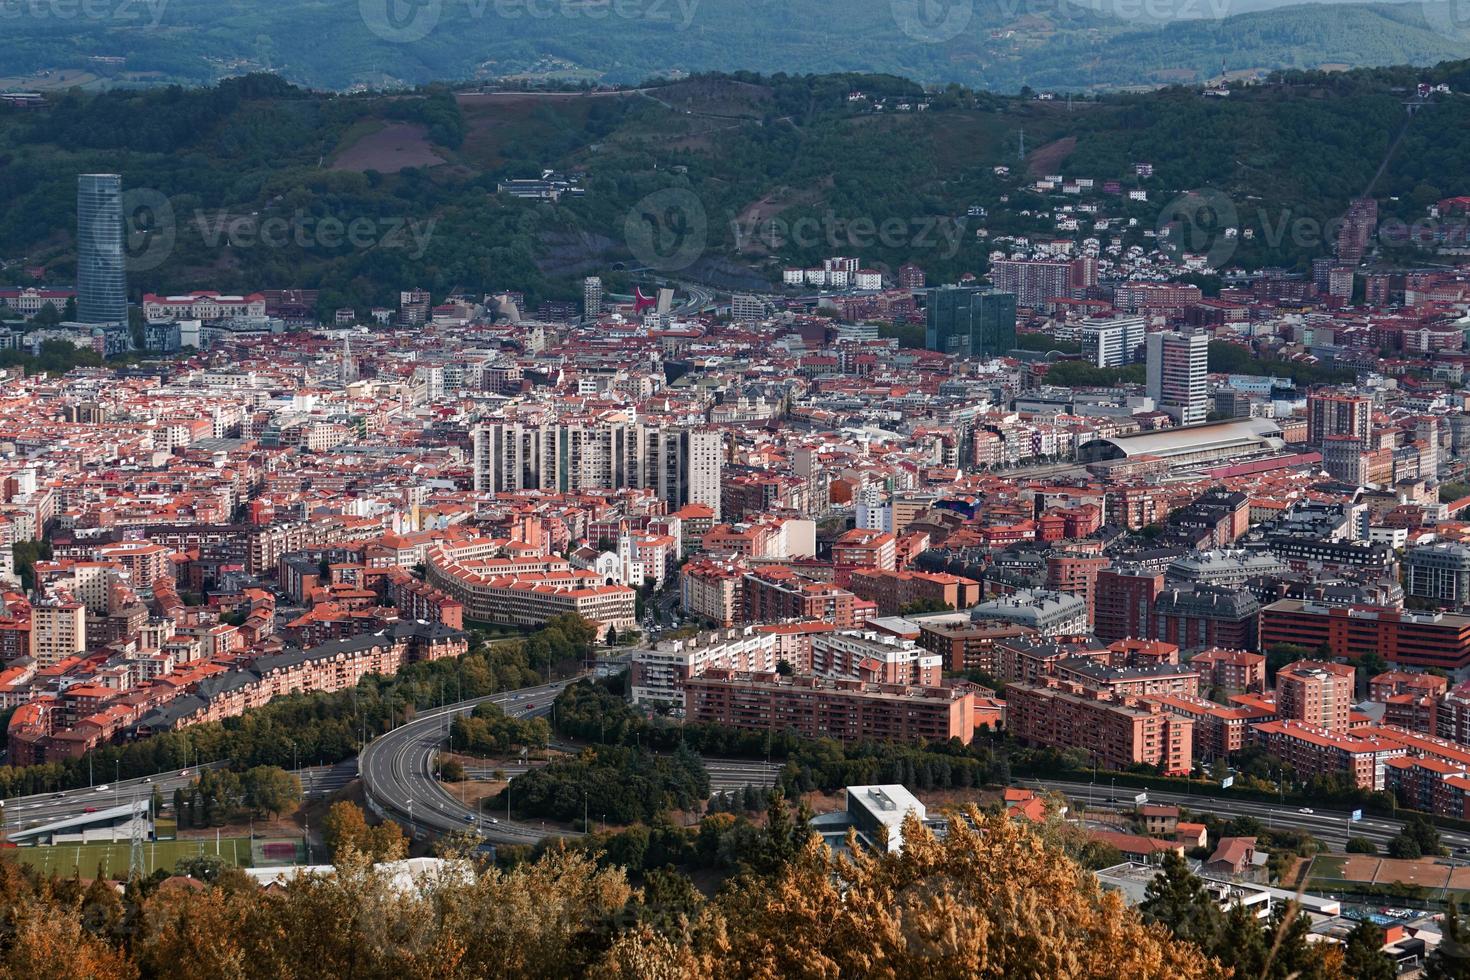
85, 859
1366, 872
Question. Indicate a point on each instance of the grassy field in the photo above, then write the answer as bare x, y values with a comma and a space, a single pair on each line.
85, 859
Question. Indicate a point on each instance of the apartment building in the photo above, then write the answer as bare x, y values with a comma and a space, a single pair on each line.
1123, 602
1118, 734
1126, 681
876, 657
1416, 639
1314, 751
846, 710
1207, 616
58, 630
333, 666
1178, 375
893, 591
658, 675
1230, 671
1317, 694
1112, 341
713, 589
862, 549
1048, 613
965, 644
681, 465
775, 595
521, 592
1219, 730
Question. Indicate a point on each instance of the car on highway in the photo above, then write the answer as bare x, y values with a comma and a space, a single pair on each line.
183, 772
102, 788
493, 820
89, 809
469, 818
1306, 809
58, 796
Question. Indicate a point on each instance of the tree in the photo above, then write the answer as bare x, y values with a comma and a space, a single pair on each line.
451, 771
1363, 955
1450, 960
346, 829
270, 789
1361, 845
345, 826
1096, 855
1405, 847
1242, 942
1291, 956
1177, 899
989, 900
1423, 833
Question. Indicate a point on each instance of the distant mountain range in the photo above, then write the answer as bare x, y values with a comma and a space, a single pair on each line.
1001, 45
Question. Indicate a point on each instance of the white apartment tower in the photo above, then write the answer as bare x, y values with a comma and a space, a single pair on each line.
682, 465
1112, 341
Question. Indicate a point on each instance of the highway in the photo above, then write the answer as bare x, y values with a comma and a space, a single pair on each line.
397, 771
1331, 826
29, 811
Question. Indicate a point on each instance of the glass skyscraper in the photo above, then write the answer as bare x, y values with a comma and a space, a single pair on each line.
971, 321
102, 295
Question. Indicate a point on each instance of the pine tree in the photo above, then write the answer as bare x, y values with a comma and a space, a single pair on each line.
1242, 942
1177, 898
1450, 960
1363, 956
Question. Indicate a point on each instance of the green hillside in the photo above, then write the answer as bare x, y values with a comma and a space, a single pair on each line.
230, 186
1001, 46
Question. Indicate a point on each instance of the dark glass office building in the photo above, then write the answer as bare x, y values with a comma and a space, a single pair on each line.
971, 321
101, 289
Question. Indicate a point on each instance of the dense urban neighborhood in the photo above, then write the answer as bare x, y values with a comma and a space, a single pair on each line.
1070, 579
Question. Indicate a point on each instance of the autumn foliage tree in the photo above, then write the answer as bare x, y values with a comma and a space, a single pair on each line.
346, 829
993, 899
990, 900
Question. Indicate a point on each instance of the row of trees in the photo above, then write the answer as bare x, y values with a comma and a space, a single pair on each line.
309, 727
220, 796
490, 731
991, 899
595, 713
614, 783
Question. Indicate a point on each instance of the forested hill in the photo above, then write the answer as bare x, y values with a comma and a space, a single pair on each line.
998, 44
748, 158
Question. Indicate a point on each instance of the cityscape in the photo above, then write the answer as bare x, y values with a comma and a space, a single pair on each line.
649, 555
